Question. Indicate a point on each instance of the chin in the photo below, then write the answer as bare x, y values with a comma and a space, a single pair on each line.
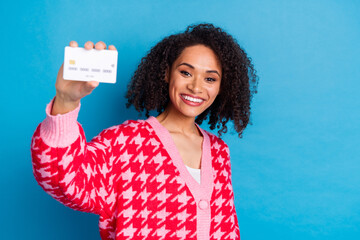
191, 114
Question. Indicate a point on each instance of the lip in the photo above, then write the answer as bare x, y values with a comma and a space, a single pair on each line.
195, 104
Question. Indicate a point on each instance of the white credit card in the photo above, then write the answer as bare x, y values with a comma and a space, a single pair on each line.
90, 65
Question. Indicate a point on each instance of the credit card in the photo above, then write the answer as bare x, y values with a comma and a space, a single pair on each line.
90, 65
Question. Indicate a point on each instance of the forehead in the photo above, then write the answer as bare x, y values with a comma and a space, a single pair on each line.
200, 56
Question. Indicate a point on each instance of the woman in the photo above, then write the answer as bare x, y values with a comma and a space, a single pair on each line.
164, 177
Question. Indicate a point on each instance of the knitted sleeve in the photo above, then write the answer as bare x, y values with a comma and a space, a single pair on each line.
74, 172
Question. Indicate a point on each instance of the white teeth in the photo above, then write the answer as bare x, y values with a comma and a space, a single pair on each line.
191, 99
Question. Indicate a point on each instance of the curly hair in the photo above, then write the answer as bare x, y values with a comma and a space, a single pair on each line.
148, 89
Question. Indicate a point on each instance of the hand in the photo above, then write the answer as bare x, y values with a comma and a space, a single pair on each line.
69, 93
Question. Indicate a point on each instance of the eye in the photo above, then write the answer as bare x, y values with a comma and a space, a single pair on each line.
185, 73
209, 79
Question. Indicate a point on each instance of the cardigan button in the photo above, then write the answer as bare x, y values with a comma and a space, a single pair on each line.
203, 204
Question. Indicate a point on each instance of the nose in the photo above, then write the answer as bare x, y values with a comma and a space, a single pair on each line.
195, 85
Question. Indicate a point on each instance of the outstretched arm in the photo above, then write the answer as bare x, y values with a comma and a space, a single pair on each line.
71, 170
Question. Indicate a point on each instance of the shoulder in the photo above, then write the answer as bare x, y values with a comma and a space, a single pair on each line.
218, 147
220, 153
216, 142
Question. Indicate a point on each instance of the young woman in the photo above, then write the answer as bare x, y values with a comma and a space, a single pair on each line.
164, 177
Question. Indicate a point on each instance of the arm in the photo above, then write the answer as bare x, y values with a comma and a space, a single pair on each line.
69, 169
74, 172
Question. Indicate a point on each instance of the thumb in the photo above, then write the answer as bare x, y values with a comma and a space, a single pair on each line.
91, 85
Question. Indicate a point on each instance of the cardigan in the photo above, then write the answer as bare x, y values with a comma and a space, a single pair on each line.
133, 177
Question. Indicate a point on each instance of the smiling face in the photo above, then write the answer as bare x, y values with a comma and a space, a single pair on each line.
194, 81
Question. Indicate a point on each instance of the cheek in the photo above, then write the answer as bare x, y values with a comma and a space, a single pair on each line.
175, 86
214, 91
172, 92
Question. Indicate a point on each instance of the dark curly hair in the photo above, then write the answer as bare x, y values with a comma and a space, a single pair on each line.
148, 89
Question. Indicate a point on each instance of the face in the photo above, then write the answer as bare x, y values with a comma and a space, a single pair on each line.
194, 81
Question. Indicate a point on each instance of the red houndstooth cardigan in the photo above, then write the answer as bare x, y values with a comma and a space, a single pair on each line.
133, 177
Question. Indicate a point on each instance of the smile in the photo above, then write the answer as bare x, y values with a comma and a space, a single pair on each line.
191, 100
197, 100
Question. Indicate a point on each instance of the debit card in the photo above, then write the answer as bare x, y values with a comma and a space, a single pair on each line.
90, 65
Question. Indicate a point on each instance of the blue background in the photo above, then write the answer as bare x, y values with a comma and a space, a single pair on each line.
296, 170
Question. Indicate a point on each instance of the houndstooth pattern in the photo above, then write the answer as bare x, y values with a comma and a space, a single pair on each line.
224, 220
126, 176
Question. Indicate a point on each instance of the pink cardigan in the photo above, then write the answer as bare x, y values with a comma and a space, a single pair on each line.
133, 177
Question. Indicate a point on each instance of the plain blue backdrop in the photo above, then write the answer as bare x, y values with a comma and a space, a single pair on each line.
296, 171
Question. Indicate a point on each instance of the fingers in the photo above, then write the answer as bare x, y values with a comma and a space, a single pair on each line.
89, 45
73, 44
100, 45
112, 47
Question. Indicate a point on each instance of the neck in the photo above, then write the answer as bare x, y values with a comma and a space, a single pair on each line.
178, 123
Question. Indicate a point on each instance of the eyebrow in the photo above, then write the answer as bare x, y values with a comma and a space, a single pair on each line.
191, 66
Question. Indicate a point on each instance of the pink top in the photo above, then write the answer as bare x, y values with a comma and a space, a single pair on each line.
195, 173
133, 177
201, 192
